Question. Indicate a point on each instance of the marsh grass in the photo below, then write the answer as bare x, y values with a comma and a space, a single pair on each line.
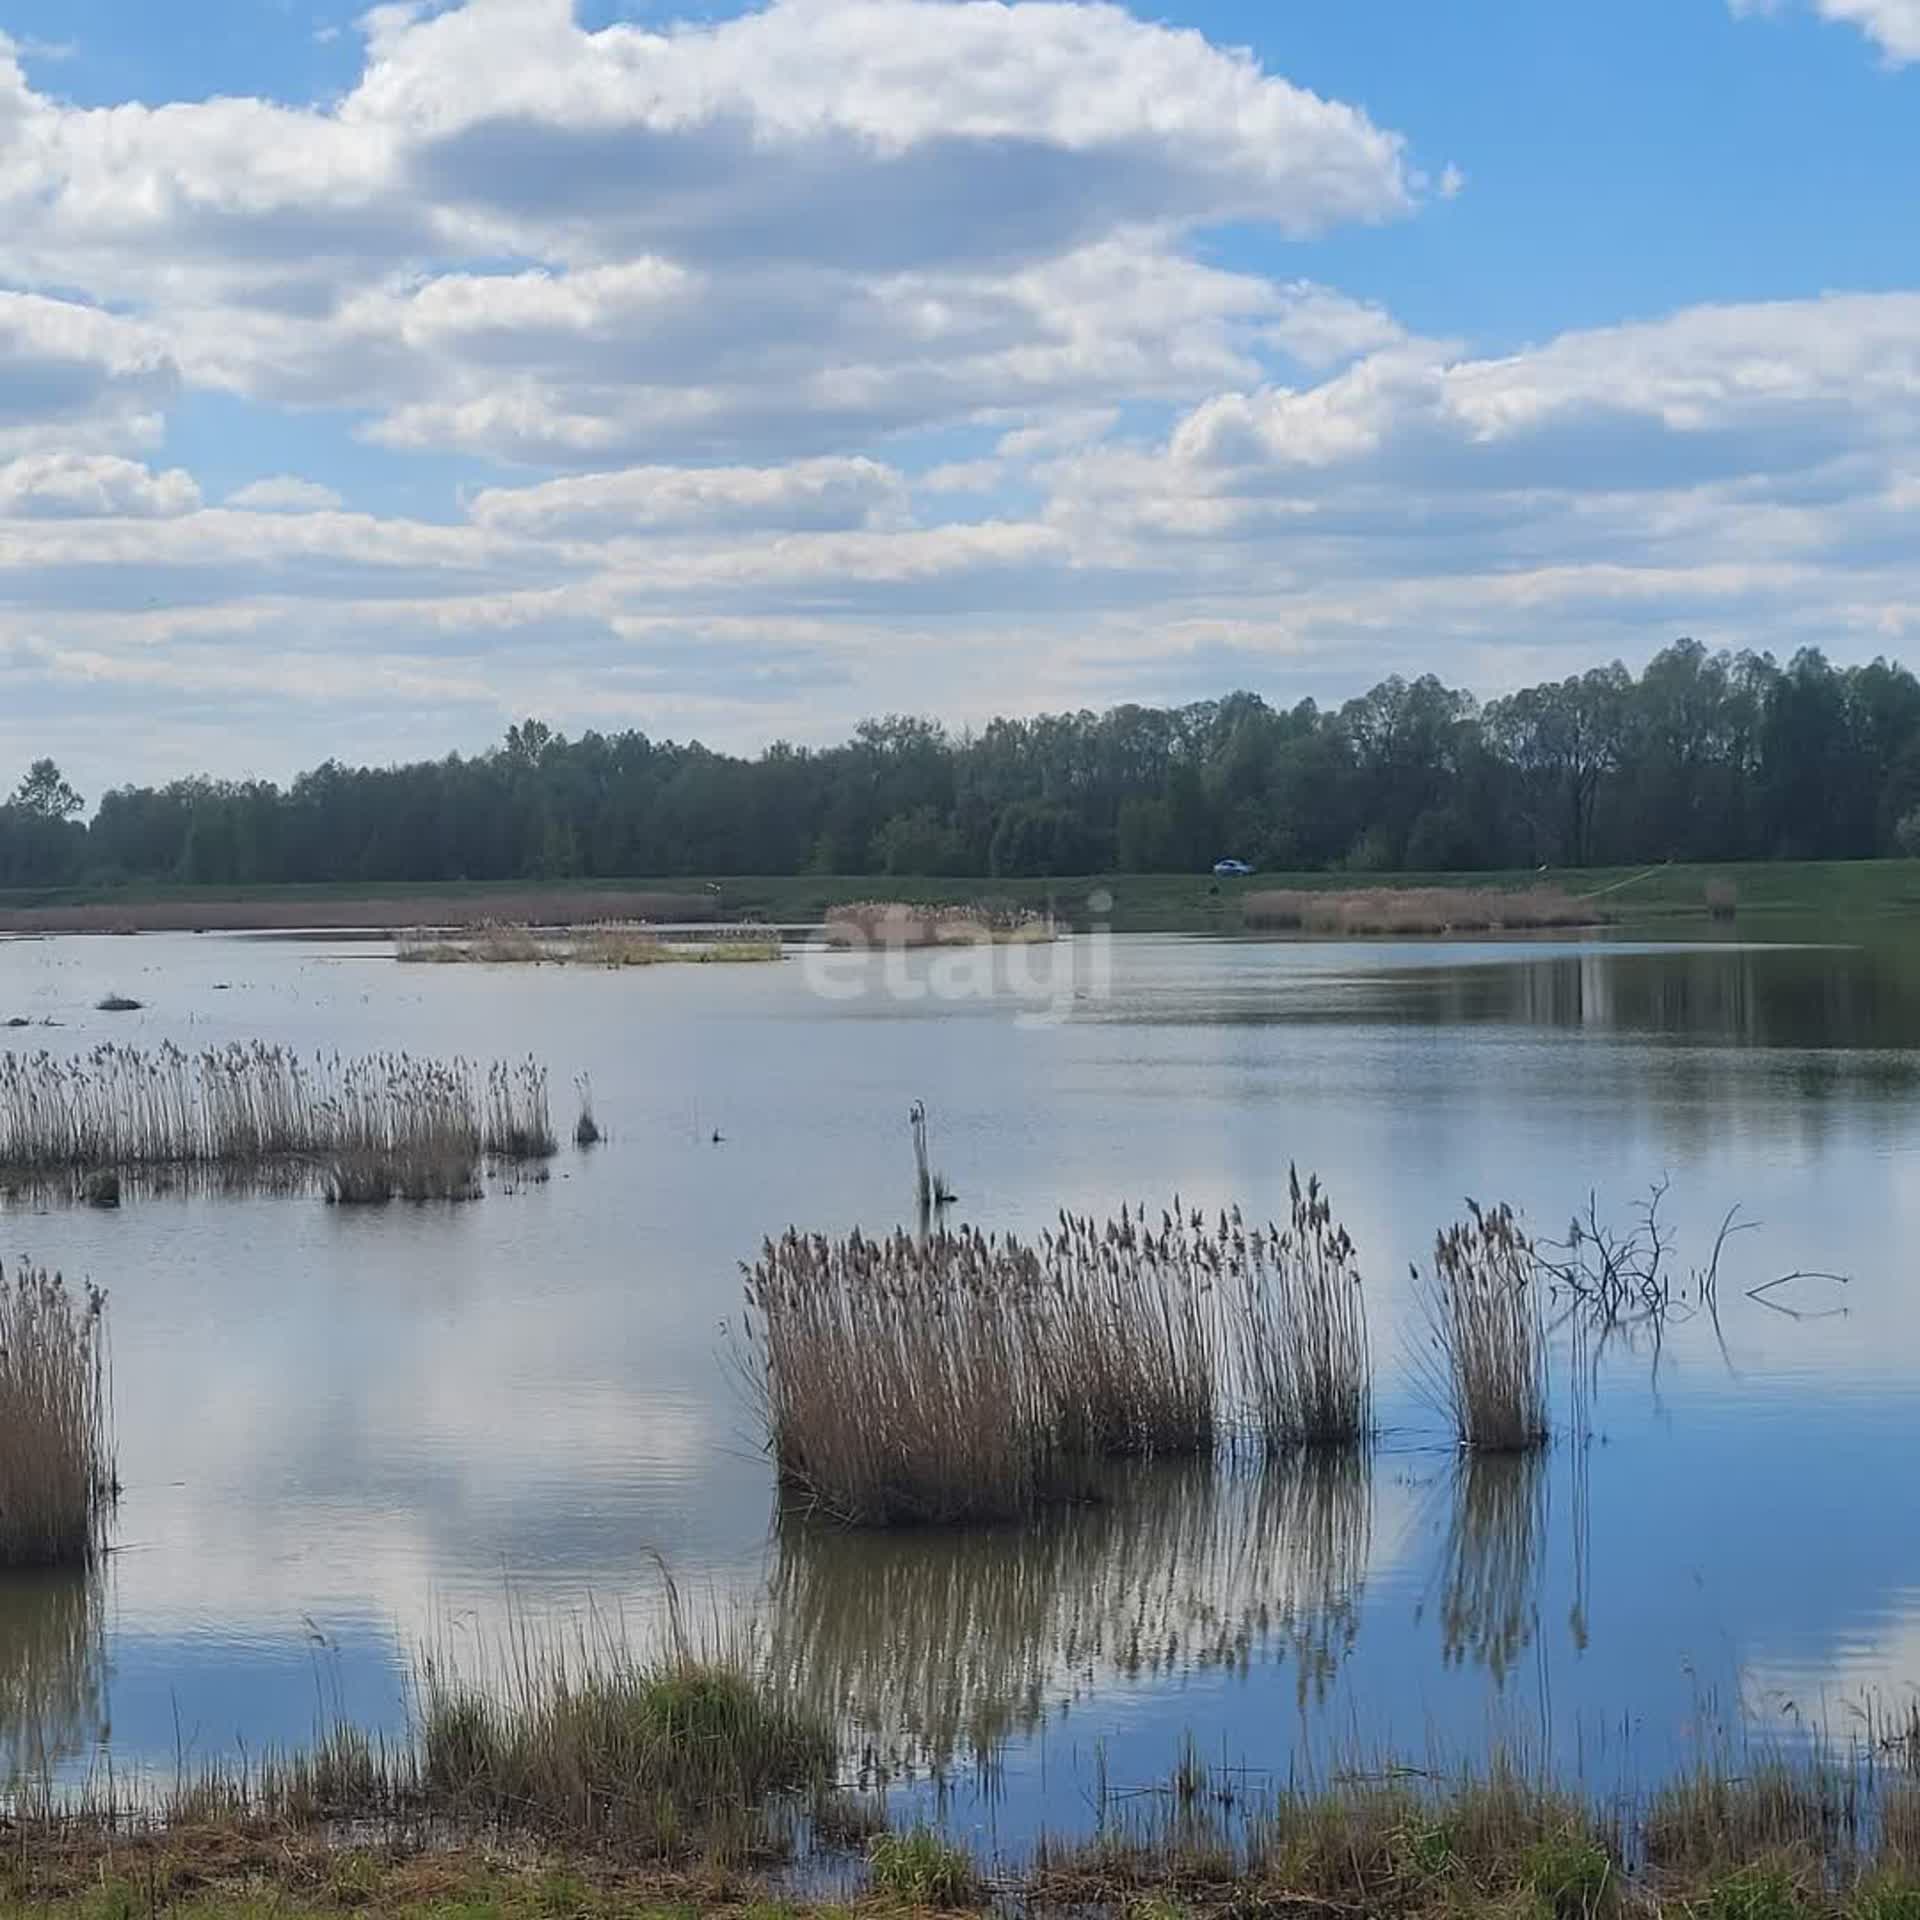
1416, 910
922, 1868
1485, 1362
678, 1747
57, 1476
662, 1752
370, 1128
1376, 1841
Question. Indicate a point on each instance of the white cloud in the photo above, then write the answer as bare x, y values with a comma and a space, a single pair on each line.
832, 493
74, 376
1893, 25
285, 493
78, 486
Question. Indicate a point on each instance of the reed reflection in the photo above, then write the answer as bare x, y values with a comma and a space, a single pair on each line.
933, 1646
52, 1671
1492, 1559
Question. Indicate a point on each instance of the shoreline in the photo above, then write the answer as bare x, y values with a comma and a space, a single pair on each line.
1855, 891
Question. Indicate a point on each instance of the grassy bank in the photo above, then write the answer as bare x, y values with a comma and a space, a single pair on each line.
1850, 890
1769, 1845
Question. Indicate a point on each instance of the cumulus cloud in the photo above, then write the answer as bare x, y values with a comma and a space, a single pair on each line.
285, 493
843, 356
72, 375
810, 494
874, 213
78, 486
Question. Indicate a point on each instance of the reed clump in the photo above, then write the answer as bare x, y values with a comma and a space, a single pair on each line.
1302, 1321
956, 1375
897, 923
1415, 910
586, 1127
1485, 1364
57, 1476
353, 1125
897, 1378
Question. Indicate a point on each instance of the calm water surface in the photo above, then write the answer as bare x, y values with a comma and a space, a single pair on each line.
342, 1432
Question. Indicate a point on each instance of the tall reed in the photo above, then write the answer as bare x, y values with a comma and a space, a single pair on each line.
1486, 1361
1302, 1325
387, 1119
56, 1441
962, 1376
897, 1379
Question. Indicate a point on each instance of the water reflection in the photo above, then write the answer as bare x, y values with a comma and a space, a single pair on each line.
1492, 1559
52, 1671
1811, 997
941, 1645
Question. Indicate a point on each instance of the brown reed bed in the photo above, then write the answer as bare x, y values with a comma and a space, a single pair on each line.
956, 1375
899, 924
1416, 910
1484, 1364
360, 1128
57, 1477
608, 946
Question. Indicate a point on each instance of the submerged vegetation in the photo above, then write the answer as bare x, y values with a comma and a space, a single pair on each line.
362, 1129
56, 1442
964, 1376
1416, 910
595, 946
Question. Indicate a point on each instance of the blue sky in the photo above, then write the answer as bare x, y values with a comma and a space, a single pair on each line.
740, 371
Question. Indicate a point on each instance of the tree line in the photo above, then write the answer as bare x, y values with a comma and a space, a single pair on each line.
1702, 756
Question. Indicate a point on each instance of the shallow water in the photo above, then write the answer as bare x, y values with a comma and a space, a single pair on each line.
343, 1433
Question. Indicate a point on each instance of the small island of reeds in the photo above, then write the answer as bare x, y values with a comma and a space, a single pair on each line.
595, 946
898, 923
961, 1376
1415, 911
362, 1130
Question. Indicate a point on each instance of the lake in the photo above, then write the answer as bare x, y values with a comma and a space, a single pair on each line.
346, 1433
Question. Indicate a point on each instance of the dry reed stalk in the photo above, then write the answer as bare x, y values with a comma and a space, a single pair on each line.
895, 1377
56, 1464
1486, 1363
1415, 910
960, 1376
1302, 1328
260, 1109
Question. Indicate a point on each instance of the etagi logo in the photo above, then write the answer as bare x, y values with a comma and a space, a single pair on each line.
1042, 969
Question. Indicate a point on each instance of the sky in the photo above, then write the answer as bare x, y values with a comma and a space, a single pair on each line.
369, 380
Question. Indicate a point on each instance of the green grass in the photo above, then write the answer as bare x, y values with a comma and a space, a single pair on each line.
922, 1869
1842, 890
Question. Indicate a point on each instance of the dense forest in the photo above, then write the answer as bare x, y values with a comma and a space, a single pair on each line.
1704, 756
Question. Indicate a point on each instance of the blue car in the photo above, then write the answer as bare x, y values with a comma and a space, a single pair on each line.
1231, 867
